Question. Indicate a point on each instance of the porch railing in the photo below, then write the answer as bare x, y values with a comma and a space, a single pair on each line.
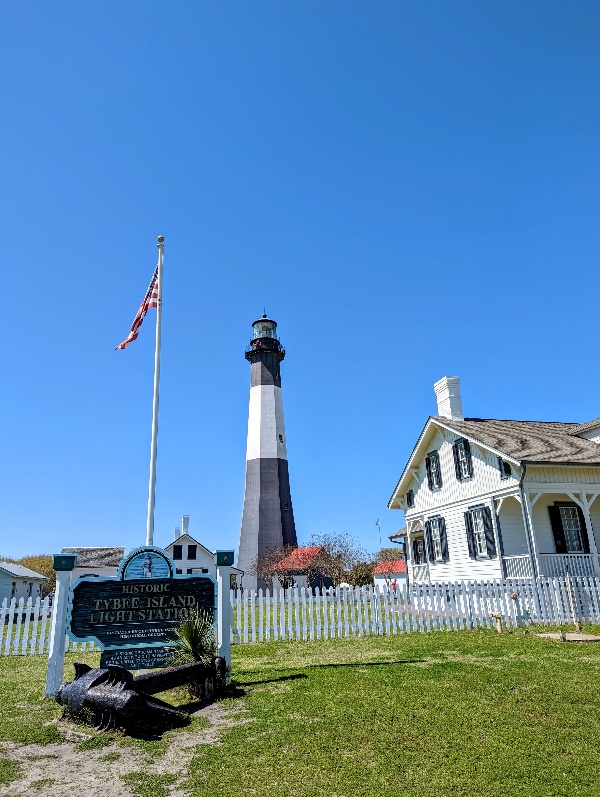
518, 566
554, 565
420, 573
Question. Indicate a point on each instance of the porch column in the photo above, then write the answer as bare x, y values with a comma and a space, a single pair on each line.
585, 508
496, 530
408, 554
530, 535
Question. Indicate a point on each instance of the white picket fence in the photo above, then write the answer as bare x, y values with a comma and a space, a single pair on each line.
25, 628
419, 608
298, 614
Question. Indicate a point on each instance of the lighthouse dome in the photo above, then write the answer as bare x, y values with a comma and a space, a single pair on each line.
265, 328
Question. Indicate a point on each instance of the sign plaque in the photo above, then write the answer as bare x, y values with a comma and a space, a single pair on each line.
132, 617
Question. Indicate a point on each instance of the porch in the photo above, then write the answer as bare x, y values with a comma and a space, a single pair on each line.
562, 532
551, 565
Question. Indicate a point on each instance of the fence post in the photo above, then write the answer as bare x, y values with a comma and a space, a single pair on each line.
224, 562
571, 596
63, 564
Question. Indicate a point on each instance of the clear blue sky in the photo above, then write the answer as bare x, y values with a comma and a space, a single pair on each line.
411, 189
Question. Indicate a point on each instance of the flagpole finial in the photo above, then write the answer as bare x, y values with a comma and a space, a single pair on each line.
161, 239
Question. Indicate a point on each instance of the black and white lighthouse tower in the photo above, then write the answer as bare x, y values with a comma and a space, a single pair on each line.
268, 517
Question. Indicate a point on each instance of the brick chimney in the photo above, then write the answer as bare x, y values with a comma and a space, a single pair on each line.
449, 401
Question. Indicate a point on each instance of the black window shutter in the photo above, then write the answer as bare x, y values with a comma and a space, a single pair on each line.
414, 551
557, 529
428, 469
429, 542
444, 540
584, 535
438, 469
456, 459
470, 535
488, 526
468, 456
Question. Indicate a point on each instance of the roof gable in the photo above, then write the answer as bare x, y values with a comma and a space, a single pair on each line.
14, 569
535, 442
187, 539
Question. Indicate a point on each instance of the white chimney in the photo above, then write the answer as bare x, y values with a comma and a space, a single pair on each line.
177, 533
449, 402
185, 524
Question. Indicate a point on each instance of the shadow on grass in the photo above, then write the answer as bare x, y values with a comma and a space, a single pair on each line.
301, 675
274, 680
365, 664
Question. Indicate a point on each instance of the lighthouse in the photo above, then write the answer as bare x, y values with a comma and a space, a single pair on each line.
268, 517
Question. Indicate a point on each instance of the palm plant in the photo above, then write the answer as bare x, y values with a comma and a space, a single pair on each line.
194, 639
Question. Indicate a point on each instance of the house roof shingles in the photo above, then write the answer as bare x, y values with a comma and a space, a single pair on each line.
97, 557
530, 441
20, 571
393, 567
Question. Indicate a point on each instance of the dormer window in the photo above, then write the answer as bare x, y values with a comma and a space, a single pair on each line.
505, 469
463, 462
410, 499
434, 472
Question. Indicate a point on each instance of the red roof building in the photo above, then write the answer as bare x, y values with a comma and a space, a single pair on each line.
299, 559
395, 567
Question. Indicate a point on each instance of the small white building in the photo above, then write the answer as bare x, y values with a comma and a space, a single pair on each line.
391, 573
18, 582
491, 499
96, 562
190, 556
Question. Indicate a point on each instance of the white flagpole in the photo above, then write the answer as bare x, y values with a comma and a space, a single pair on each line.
152, 481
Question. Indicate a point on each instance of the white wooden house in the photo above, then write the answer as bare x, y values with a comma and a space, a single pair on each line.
190, 556
18, 582
490, 499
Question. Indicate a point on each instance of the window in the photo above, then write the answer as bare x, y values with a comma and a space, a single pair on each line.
178, 571
410, 499
14, 589
505, 469
463, 462
204, 570
192, 551
479, 532
436, 541
481, 540
569, 529
419, 557
189, 571
177, 552
434, 474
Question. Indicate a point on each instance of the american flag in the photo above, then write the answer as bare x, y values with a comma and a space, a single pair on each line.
150, 300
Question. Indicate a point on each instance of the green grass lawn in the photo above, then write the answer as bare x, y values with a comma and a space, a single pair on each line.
467, 713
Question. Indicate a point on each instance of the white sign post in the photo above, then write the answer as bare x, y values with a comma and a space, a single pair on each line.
224, 562
63, 564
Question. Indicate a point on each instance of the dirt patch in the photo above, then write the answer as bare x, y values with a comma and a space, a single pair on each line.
100, 771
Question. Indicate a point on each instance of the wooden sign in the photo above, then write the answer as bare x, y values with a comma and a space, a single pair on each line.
141, 606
